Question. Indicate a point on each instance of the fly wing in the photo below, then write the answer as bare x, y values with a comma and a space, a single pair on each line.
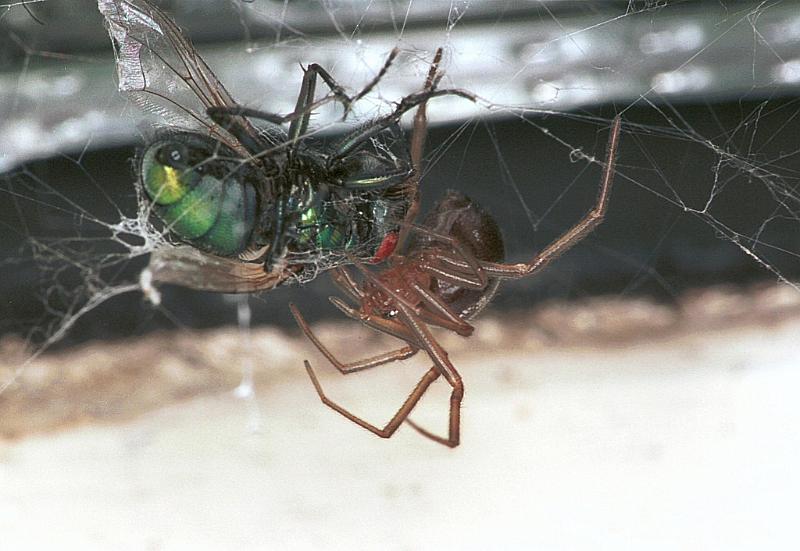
159, 69
188, 267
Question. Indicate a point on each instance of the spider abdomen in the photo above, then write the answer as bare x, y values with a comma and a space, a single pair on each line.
459, 217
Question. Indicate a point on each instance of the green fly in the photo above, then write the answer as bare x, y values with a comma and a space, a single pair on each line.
260, 202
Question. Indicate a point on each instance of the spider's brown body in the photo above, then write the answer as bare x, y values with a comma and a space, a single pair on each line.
456, 222
448, 272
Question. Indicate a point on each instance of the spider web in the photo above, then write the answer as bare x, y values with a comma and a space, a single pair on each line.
707, 92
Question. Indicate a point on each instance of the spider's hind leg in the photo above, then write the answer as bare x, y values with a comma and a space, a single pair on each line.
402, 414
358, 365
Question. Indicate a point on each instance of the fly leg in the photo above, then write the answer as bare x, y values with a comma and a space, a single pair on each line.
305, 104
406, 104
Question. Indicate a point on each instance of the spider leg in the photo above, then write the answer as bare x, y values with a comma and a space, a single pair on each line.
351, 367
413, 330
390, 327
574, 234
344, 281
444, 267
402, 414
466, 267
447, 370
425, 340
443, 314
342, 278
418, 136
466, 280
420, 130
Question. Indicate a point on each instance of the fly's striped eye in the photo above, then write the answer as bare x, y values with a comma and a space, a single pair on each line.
198, 188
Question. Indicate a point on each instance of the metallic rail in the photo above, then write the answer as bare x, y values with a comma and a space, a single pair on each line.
58, 91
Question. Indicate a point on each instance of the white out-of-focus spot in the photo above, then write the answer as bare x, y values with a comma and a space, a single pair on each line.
684, 38
67, 85
546, 92
579, 90
691, 79
785, 31
23, 134
41, 86
787, 72
71, 129
537, 52
576, 47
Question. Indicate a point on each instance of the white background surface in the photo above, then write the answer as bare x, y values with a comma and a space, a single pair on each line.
680, 443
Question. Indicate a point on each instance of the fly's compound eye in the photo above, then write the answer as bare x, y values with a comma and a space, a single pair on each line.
174, 155
198, 188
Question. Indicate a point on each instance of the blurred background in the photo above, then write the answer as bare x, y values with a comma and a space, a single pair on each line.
637, 393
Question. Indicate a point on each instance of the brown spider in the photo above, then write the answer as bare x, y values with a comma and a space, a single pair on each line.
448, 273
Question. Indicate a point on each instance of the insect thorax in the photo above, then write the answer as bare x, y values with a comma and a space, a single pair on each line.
334, 222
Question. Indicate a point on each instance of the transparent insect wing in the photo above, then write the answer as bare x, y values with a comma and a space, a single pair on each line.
188, 267
161, 72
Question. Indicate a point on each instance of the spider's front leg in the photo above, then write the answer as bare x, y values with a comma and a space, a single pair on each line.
419, 135
575, 234
414, 324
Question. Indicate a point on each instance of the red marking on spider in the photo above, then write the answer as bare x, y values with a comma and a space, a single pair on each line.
386, 247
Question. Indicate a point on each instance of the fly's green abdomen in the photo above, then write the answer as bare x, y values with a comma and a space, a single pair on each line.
198, 188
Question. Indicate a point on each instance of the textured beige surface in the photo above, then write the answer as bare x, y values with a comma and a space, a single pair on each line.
682, 434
